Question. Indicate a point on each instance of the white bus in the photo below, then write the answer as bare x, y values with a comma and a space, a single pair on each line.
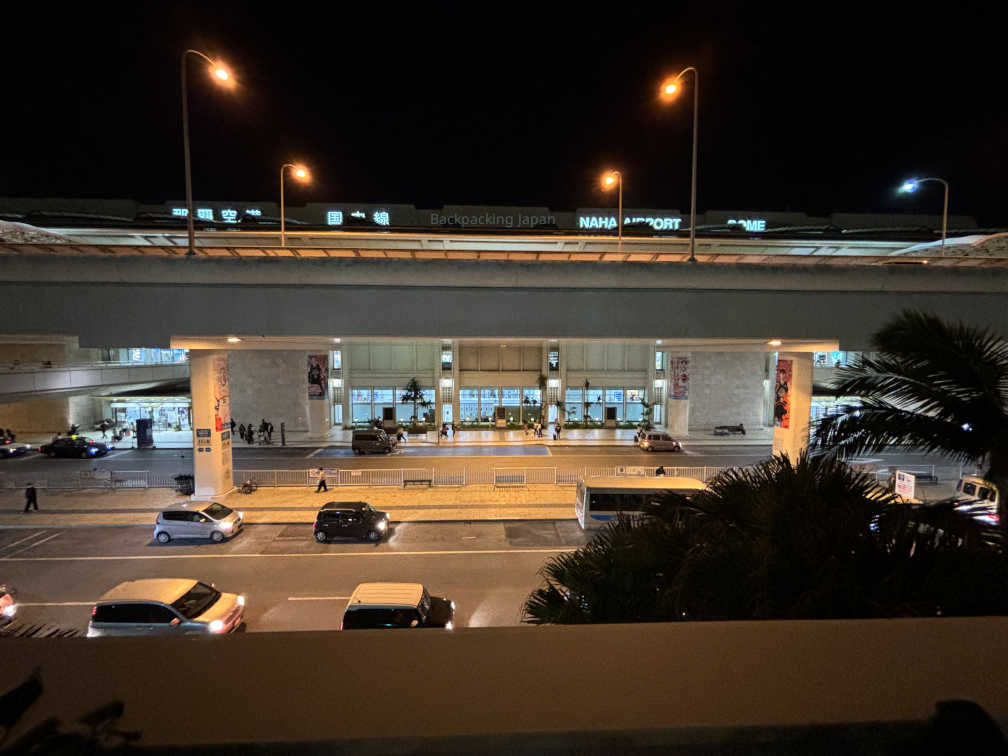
600, 500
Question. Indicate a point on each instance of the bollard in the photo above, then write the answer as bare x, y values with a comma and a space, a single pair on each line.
283, 434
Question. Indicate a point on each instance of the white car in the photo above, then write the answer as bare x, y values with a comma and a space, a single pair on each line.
8, 605
166, 606
10, 448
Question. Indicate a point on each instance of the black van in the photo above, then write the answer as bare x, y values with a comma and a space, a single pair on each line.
371, 440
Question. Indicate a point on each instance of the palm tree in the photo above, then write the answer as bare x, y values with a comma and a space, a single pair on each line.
414, 393
810, 538
931, 385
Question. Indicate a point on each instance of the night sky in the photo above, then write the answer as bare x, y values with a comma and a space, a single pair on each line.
822, 108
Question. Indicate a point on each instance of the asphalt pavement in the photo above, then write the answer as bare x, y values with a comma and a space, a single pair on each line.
473, 457
291, 581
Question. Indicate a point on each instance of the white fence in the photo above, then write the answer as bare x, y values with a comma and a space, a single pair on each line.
498, 477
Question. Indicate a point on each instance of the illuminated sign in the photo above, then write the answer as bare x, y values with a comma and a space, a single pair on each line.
609, 222
179, 211
750, 224
358, 214
334, 218
253, 211
381, 217
204, 213
229, 215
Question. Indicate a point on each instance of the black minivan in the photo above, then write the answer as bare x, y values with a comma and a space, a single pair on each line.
350, 519
371, 440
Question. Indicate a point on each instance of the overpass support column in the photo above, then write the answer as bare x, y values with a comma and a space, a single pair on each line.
793, 392
677, 370
211, 409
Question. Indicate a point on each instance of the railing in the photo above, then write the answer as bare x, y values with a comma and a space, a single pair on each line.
497, 477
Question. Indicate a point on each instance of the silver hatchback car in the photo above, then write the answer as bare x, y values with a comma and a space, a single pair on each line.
166, 606
657, 441
213, 521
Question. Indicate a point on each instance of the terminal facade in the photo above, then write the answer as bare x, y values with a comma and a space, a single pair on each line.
331, 329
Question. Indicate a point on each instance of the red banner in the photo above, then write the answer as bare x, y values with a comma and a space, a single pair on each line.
782, 395
680, 378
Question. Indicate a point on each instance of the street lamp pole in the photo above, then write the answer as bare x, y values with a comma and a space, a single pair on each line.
301, 173
670, 88
911, 186
222, 75
608, 179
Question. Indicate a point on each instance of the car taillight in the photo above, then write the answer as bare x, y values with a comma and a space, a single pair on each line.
94, 610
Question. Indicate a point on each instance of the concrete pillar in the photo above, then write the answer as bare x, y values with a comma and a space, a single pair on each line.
456, 381
345, 370
677, 410
211, 408
794, 439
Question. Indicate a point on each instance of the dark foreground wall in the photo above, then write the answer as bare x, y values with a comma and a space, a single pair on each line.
604, 688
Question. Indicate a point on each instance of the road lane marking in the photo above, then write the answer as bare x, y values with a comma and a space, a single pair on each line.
330, 554
114, 454
31, 546
318, 598
56, 603
317, 451
26, 538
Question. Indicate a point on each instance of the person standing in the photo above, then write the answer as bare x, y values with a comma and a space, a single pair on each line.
269, 433
232, 426
241, 431
31, 498
321, 482
249, 435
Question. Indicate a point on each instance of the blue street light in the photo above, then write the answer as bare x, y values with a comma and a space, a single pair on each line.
911, 186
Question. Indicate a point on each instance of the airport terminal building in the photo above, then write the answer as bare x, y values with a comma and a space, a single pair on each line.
502, 316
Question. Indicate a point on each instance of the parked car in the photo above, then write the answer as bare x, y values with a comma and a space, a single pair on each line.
8, 604
350, 519
657, 441
166, 606
213, 521
371, 440
11, 448
396, 605
74, 446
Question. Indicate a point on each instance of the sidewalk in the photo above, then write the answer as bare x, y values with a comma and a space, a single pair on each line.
61, 509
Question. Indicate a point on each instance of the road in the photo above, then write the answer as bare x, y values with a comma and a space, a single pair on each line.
474, 457
292, 582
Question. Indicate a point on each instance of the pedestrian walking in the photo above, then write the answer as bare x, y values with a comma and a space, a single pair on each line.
454, 430
232, 426
31, 498
538, 429
269, 433
660, 471
241, 431
249, 435
321, 482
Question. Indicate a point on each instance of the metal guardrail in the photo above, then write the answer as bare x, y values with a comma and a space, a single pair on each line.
498, 477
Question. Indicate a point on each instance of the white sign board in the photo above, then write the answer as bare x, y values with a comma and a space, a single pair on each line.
905, 484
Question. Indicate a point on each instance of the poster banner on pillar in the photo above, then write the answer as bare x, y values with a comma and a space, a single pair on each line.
222, 394
680, 378
318, 376
782, 394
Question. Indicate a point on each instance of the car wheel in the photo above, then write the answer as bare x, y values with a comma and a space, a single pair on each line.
163, 537
83, 455
216, 536
50, 454
373, 536
320, 536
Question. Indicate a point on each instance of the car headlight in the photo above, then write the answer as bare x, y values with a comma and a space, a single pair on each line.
453, 606
9, 610
226, 525
241, 601
241, 515
216, 626
382, 524
449, 625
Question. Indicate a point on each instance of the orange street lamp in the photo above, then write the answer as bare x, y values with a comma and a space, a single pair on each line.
301, 174
670, 89
609, 180
220, 74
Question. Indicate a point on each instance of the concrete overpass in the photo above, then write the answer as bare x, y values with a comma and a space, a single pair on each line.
134, 287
